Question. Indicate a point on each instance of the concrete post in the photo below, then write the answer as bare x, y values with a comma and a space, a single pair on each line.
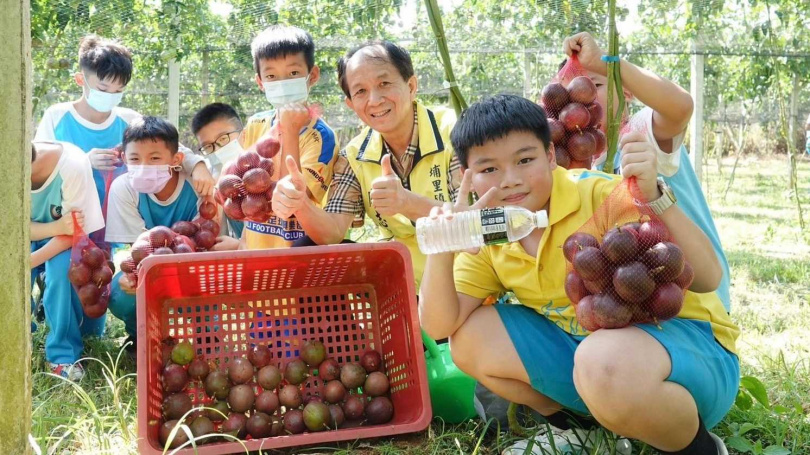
527, 76
696, 124
15, 211
174, 92
204, 91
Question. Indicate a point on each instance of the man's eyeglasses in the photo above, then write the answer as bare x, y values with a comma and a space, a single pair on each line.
221, 141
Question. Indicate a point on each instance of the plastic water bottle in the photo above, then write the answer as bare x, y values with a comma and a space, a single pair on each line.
476, 228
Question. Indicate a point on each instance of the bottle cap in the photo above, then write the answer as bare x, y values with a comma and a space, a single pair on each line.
541, 219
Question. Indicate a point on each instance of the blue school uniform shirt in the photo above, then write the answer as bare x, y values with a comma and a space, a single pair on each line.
129, 213
685, 185
61, 122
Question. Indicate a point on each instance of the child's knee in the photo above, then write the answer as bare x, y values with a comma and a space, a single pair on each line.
611, 380
462, 350
599, 369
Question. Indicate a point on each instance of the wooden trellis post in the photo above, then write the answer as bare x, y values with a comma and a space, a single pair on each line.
15, 207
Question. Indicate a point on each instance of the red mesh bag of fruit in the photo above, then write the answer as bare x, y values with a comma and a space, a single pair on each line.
575, 116
623, 265
245, 187
90, 273
183, 237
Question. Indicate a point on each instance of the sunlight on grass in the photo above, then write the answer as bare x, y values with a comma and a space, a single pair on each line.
80, 419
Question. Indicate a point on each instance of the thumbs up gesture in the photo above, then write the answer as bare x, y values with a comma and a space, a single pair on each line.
290, 194
388, 196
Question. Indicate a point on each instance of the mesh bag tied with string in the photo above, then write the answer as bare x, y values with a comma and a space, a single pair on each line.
623, 266
575, 116
90, 272
246, 185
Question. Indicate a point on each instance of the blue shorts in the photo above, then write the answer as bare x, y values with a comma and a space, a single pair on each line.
699, 363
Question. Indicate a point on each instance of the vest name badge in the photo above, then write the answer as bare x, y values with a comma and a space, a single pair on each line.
436, 176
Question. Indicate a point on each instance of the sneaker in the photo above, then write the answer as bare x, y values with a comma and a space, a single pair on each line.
721, 446
70, 371
568, 442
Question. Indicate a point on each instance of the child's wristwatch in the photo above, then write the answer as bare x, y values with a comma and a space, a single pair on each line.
666, 200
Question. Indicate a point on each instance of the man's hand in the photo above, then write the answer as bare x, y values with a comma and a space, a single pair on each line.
127, 284
65, 223
293, 118
225, 243
202, 180
639, 160
102, 159
588, 52
388, 196
290, 194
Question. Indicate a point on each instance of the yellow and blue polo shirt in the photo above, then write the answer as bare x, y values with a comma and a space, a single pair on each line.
318, 150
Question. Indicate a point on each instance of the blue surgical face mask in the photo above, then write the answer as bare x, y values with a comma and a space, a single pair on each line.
279, 93
102, 101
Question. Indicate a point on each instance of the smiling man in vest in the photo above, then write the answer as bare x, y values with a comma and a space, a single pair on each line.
399, 167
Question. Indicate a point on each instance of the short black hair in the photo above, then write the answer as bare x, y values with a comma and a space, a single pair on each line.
279, 41
106, 58
212, 112
495, 117
154, 129
385, 52
33, 153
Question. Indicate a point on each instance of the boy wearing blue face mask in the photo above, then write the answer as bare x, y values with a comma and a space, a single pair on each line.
155, 192
95, 123
284, 60
217, 127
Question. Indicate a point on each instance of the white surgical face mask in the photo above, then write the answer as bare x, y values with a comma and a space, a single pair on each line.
149, 178
279, 93
229, 152
102, 101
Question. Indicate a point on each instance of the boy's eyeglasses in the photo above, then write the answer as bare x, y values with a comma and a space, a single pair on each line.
221, 141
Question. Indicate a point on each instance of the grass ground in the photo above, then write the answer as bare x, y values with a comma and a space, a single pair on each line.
770, 260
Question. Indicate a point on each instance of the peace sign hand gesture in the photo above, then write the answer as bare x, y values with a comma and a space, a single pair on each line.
462, 204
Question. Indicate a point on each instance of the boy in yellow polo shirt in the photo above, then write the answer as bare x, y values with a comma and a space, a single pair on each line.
664, 385
284, 60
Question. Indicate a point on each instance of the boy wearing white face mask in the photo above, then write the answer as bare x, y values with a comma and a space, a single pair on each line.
95, 122
155, 192
217, 127
284, 61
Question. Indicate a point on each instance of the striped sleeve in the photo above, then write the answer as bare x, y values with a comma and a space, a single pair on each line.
345, 193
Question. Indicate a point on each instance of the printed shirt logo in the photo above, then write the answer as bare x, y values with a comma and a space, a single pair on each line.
436, 175
380, 220
289, 230
56, 212
317, 177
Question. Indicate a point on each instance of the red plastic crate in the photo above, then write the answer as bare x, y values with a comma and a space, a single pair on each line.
352, 297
